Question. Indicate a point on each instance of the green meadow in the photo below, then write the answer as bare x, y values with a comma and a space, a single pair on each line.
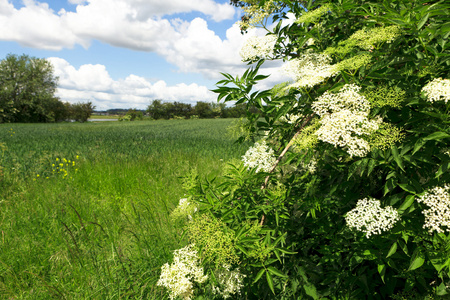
84, 208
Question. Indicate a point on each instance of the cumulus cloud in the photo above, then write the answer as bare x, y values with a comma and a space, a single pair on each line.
36, 25
126, 23
141, 25
93, 83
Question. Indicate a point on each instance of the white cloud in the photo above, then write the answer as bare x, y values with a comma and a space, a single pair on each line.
35, 25
93, 83
134, 24
142, 25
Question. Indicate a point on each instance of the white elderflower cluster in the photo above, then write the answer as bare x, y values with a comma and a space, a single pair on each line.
260, 156
290, 118
348, 98
229, 282
437, 90
310, 42
370, 218
185, 209
438, 215
179, 276
345, 120
258, 47
310, 69
311, 166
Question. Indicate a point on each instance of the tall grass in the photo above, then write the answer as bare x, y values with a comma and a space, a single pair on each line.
84, 208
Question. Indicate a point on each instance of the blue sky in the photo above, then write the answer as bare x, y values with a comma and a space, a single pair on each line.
125, 53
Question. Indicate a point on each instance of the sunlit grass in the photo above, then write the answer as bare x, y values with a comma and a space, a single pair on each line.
84, 207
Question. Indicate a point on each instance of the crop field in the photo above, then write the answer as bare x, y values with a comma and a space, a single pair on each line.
84, 208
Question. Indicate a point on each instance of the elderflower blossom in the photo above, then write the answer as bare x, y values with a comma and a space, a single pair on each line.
185, 209
179, 276
340, 128
310, 167
260, 156
437, 90
438, 215
258, 47
229, 282
345, 120
347, 98
290, 118
368, 38
310, 69
370, 218
313, 16
256, 14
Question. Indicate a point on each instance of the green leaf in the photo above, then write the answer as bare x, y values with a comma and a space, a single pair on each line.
403, 246
442, 290
442, 169
259, 275
423, 21
270, 282
286, 251
397, 157
310, 290
409, 200
419, 144
276, 272
382, 271
392, 250
407, 187
242, 249
439, 135
417, 260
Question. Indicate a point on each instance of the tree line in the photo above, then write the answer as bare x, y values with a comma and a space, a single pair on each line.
27, 93
159, 109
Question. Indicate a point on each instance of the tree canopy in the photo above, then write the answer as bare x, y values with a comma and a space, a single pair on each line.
27, 93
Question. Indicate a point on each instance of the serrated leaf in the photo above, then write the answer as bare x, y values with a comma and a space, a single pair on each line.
270, 282
276, 272
403, 246
242, 249
407, 187
419, 144
417, 260
311, 290
442, 169
423, 21
397, 157
392, 250
259, 275
382, 271
286, 251
437, 136
409, 200
442, 290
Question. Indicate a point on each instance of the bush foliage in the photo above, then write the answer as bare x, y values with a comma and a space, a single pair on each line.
356, 202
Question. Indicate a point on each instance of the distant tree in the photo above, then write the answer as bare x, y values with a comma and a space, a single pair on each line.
182, 109
117, 111
82, 111
203, 110
235, 111
134, 114
156, 109
27, 88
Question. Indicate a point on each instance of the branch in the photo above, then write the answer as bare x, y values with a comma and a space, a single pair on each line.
291, 142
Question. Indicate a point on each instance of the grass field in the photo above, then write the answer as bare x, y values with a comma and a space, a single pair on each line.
84, 207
